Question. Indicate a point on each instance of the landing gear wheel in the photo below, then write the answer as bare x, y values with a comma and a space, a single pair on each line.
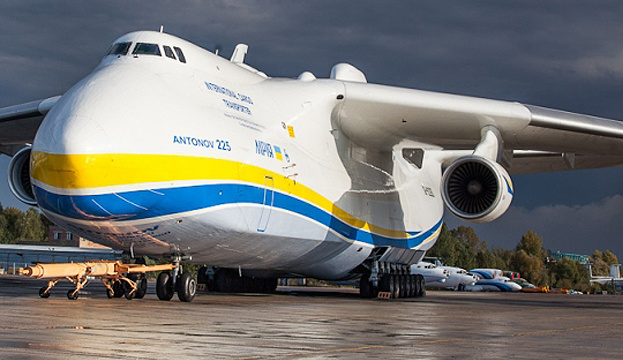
127, 291
43, 293
421, 282
417, 289
384, 283
414, 287
407, 281
269, 285
142, 287
110, 293
186, 287
117, 287
365, 287
403, 286
394, 281
164, 286
72, 295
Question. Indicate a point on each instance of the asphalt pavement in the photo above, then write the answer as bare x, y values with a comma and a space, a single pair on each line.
306, 323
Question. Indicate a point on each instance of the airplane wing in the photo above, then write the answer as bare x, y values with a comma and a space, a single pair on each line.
19, 123
535, 139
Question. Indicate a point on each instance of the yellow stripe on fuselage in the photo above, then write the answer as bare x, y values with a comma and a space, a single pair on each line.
108, 170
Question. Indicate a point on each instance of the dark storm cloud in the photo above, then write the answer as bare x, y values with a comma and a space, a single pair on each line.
561, 54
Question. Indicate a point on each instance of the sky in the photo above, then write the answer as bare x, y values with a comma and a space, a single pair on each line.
560, 54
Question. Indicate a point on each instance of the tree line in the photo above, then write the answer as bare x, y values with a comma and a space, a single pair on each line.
462, 248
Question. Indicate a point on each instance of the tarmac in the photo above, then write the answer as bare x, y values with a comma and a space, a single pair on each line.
306, 323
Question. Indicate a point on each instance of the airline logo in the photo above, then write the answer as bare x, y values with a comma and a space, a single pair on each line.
272, 151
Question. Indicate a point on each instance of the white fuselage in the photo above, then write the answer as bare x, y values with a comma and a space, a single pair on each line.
213, 160
434, 276
457, 277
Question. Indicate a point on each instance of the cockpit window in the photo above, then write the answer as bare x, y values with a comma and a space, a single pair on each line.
147, 49
168, 52
119, 48
180, 54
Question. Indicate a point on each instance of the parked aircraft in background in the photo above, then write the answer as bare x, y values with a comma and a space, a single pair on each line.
494, 280
614, 278
169, 150
434, 276
457, 279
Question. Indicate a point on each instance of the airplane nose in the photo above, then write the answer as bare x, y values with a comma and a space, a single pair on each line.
79, 163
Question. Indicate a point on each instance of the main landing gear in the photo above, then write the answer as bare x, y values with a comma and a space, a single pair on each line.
391, 281
232, 281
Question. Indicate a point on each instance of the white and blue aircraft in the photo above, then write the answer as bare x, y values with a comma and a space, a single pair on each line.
492, 280
169, 150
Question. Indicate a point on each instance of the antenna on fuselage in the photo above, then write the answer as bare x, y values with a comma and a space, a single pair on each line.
239, 53
161, 28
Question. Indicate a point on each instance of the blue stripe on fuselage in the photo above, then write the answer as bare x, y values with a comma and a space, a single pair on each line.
145, 204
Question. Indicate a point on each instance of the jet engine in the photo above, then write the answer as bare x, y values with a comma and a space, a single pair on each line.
477, 189
19, 177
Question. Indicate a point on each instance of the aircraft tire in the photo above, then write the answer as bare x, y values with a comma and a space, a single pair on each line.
404, 286
416, 282
72, 295
127, 291
414, 288
394, 281
110, 294
365, 288
384, 283
269, 285
43, 293
117, 287
164, 286
186, 287
407, 281
422, 290
142, 287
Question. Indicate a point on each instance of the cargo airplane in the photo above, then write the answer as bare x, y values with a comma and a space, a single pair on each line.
169, 150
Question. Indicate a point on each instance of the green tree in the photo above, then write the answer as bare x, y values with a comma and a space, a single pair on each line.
531, 267
599, 266
486, 259
532, 244
567, 273
14, 218
32, 227
445, 247
610, 258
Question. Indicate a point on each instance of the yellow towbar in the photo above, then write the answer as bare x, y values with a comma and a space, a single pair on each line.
119, 278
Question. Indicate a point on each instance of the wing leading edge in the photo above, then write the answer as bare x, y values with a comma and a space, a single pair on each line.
19, 123
537, 139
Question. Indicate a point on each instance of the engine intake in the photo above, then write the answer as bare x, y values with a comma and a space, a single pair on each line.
477, 189
19, 177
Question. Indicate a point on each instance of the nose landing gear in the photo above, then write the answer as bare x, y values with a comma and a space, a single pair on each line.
184, 283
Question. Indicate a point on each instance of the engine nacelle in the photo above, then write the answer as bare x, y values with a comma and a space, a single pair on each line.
477, 189
19, 177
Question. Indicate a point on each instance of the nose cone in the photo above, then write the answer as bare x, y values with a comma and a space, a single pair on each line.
75, 164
